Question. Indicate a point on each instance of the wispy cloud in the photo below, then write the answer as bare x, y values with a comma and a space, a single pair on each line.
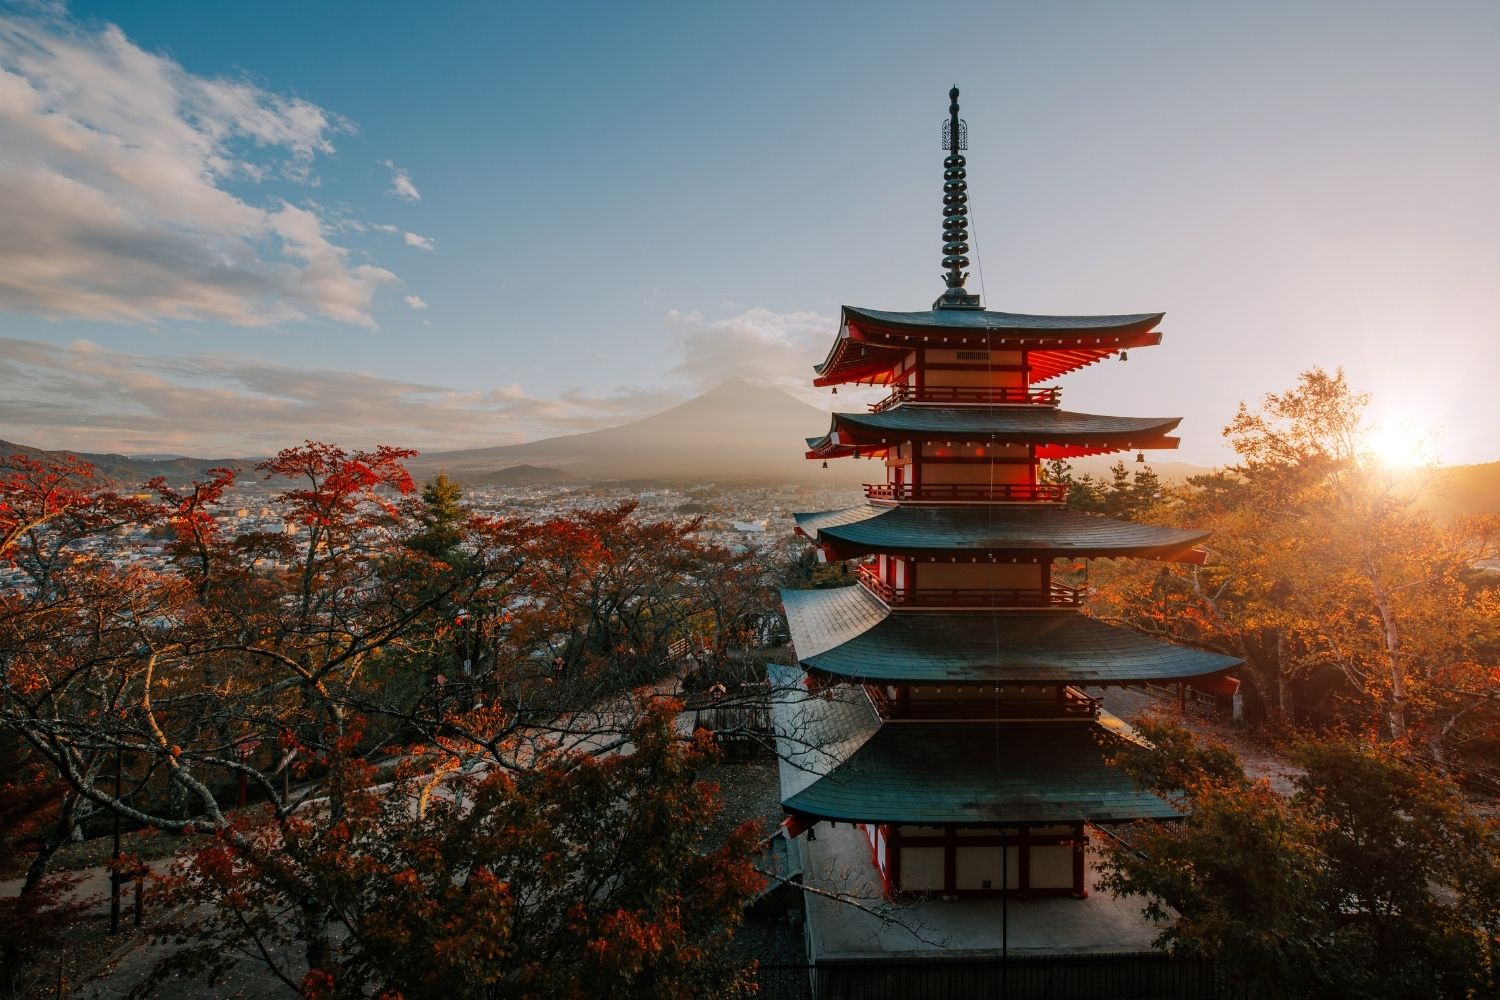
762, 345
85, 397
401, 184
115, 166
420, 242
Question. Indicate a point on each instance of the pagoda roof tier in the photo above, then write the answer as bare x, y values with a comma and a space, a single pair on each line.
1039, 530
846, 632
871, 342
1041, 425
979, 774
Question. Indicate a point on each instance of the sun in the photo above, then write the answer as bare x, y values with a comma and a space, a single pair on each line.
1400, 441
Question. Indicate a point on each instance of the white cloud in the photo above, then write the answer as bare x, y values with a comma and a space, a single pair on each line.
114, 201
757, 344
420, 242
88, 398
401, 185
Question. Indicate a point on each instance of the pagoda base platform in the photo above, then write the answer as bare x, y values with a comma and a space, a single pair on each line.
838, 861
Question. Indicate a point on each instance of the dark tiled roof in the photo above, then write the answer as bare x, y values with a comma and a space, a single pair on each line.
1033, 424
998, 322
1040, 529
815, 733
980, 774
1059, 344
848, 633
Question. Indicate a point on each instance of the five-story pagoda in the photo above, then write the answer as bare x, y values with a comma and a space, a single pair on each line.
966, 749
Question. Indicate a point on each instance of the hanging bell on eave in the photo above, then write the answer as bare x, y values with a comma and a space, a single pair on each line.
1140, 456
825, 463
1124, 355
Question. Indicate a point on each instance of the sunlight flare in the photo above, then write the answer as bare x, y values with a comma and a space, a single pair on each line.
1401, 441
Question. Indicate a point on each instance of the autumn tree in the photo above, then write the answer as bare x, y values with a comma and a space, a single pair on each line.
1373, 878
35, 918
295, 664
575, 876
1322, 562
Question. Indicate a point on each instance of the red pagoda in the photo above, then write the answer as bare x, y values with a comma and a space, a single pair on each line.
965, 746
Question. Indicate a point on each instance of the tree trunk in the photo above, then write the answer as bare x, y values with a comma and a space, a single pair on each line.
1395, 711
1265, 652
316, 947
62, 831
1286, 698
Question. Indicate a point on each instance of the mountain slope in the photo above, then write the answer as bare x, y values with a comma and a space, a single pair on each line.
736, 431
133, 472
1462, 490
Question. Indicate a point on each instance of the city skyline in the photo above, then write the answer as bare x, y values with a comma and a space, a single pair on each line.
477, 227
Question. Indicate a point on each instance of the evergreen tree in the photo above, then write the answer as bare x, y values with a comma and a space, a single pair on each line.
442, 516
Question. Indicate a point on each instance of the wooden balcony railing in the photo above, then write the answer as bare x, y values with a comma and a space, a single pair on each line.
1070, 704
1006, 395
969, 492
1056, 596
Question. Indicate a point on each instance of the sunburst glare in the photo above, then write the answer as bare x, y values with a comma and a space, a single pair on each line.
1401, 441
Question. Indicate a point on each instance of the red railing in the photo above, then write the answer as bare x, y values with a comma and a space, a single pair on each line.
952, 493
1056, 596
1006, 395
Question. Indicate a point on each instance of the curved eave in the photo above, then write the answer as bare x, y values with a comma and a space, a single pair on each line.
1034, 531
994, 323
871, 342
825, 447
1036, 425
847, 634
979, 775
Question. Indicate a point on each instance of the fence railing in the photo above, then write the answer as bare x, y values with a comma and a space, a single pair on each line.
1073, 704
973, 395
1055, 596
969, 492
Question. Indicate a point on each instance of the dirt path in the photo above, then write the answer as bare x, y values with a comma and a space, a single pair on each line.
1258, 760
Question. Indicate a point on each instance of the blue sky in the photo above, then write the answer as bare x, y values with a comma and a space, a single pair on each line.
615, 206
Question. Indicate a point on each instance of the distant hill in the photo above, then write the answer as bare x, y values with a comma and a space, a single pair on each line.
738, 431
1448, 491
1098, 466
515, 475
1461, 490
130, 472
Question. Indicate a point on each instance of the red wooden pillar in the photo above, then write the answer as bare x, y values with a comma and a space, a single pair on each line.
893, 860
1080, 843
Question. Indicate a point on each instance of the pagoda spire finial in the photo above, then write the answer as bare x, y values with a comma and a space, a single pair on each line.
955, 212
